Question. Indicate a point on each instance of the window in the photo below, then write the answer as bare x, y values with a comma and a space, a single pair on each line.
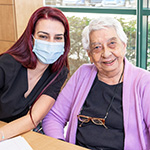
133, 14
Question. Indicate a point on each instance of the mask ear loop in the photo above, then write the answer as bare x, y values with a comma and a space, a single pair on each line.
33, 36
33, 40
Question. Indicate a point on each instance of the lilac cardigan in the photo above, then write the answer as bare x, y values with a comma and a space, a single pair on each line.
136, 106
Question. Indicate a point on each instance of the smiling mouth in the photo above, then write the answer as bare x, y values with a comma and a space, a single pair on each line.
109, 62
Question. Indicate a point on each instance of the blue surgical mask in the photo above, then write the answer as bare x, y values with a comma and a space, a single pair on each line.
48, 52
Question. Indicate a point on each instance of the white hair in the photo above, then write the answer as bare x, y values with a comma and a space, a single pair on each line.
101, 23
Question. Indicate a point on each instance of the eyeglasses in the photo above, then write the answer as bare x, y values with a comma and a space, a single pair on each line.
86, 119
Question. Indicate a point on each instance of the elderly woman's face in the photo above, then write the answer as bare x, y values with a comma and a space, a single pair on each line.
106, 50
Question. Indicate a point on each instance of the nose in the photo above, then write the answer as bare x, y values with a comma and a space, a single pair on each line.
106, 52
51, 39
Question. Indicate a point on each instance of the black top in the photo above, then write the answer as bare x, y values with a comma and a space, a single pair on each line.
14, 84
97, 137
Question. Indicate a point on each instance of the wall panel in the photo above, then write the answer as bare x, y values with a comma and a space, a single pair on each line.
14, 16
5, 2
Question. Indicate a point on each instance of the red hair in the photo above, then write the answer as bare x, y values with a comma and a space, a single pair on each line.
22, 49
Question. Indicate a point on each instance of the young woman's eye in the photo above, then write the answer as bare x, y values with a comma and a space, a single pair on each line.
59, 38
43, 37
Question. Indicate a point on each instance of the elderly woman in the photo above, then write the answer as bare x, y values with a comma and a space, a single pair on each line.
107, 103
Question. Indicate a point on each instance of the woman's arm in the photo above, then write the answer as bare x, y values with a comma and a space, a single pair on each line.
24, 124
145, 82
57, 118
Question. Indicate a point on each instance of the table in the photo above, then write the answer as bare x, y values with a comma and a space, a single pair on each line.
42, 142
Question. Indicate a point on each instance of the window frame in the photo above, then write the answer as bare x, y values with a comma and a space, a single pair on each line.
141, 11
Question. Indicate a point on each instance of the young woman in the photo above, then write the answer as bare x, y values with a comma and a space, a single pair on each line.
33, 71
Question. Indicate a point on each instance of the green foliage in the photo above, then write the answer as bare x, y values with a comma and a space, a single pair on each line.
78, 56
129, 28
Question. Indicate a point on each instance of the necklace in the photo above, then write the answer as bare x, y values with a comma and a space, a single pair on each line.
107, 112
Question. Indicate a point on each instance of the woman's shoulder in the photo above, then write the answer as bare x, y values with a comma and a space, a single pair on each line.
65, 70
85, 70
87, 67
9, 62
137, 73
7, 58
64, 73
